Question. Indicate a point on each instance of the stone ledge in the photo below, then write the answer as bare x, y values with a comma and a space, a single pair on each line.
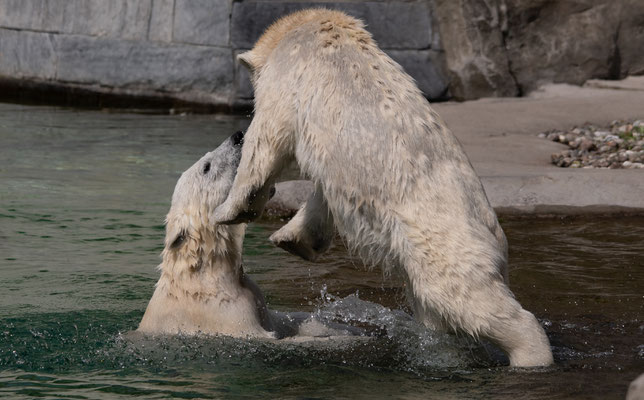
33, 54
507, 199
204, 22
427, 68
161, 67
43, 92
127, 19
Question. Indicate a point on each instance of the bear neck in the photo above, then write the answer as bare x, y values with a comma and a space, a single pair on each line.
210, 262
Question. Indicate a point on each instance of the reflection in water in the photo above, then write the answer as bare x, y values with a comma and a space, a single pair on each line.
82, 201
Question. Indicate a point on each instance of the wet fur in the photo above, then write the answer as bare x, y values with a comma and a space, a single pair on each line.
394, 180
203, 288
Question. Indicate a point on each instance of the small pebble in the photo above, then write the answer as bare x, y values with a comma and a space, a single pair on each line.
598, 147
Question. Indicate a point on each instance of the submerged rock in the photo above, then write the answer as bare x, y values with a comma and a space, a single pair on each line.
289, 196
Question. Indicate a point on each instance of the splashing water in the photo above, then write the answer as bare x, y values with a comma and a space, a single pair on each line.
82, 200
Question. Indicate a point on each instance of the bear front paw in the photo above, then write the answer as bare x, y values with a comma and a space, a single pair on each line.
226, 215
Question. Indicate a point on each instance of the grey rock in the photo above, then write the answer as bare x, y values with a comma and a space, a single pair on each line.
613, 152
170, 68
476, 48
34, 15
161, 20
202, 22
587, 145
243, 85
427, 67
630, 39
574, 143
127, 19
471, 32
393, 24
27, 54
560, 41
554, 136
289, 196
494, 47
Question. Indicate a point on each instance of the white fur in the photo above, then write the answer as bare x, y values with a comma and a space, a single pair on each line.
202, 288
310, 232
394, 180
636, 389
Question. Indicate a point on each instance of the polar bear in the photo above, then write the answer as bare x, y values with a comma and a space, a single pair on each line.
389, 175
203, 288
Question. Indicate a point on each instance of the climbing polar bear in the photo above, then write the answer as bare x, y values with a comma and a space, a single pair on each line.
203, 288
389, 175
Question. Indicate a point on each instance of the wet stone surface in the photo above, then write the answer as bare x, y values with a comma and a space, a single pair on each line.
621, 145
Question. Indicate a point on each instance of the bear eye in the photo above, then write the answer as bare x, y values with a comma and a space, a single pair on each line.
206, 168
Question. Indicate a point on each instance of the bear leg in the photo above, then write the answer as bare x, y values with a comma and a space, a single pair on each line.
524, 341
481, 305
310, 232
262, 159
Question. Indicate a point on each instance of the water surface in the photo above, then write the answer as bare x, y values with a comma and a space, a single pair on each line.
83, 195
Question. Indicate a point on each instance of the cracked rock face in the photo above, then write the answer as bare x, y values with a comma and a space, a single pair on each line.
472, 34
562, 41
619, 146
509, 47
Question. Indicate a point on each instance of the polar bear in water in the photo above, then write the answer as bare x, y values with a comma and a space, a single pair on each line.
389, 175
203, 288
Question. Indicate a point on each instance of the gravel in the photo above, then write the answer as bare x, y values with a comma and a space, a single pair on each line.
621, 145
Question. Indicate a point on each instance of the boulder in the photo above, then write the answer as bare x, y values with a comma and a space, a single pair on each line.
288, 198
561, 41
630, 38
475, 55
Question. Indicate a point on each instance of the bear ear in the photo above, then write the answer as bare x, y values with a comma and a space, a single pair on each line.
248, 59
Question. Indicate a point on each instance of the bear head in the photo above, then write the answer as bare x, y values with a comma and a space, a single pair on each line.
190, 231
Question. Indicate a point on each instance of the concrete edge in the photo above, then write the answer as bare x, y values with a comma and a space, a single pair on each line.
291, 194
38, 92
558, 211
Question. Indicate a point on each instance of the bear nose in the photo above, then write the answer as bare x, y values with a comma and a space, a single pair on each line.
238, 138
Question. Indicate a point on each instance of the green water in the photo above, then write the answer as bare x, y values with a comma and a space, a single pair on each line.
82, 200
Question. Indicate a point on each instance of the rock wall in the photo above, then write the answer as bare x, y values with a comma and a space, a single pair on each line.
183, 50
507, 47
